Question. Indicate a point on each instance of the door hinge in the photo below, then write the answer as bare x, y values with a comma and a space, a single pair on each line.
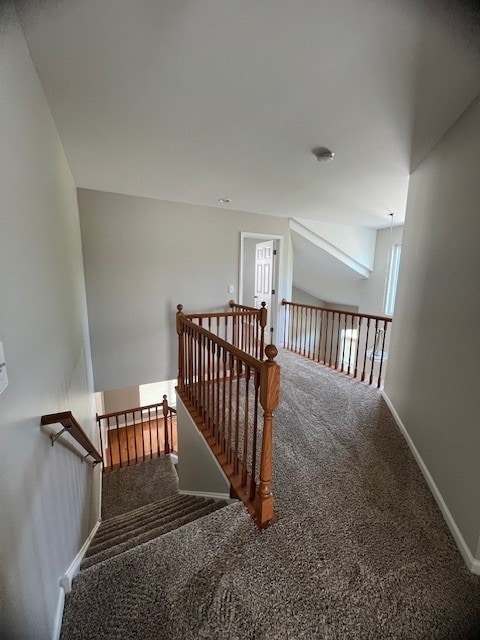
274, 252
273, 292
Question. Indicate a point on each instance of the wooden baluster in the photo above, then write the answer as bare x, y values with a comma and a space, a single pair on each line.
253, 481
126, 437
373, 353
315, 334
109, 443
99, 424
230, 407
319, 321
269, 397
234, 331
344, 340
118, 441
166, 444
330, 360
214, 388
224, 398
383, 354
209, 382
181, 379
366, 349
337, 336
171, 432
303, 329
263, 323
351, 343
359, 330
158, 433
297, 316
217, 384
150, 434
237, 413
245, 425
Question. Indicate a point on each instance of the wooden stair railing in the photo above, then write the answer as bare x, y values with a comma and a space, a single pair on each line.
138, 434
71, 425
242, 326
352, 343
231, 395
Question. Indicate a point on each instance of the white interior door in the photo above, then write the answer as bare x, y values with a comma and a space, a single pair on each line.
263, 273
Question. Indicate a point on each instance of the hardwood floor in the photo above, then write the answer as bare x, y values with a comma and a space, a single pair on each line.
131, 444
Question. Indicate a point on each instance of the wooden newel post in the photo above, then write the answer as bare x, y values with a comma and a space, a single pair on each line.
269, 399
165, 424
181, 359
232, 303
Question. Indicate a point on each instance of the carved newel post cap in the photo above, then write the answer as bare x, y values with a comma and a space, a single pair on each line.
179, 308
271, 352
284, 301
232, 303
264, 304
164, 396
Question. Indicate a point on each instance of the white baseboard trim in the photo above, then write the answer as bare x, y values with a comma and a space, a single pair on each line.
472, 564
57, 627
208, 494
67, 578
66, 582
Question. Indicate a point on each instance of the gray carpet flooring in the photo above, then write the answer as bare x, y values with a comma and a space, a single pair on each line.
137, 485
360, 550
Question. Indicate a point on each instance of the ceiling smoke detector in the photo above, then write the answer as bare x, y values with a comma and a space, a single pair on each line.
323, 154
224, 200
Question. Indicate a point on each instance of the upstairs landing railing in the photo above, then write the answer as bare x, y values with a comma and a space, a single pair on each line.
138, 434
242, 326
352, 343
231, 392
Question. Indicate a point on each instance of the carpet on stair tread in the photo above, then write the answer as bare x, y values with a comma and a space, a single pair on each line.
138, 519
123, 534
151, 534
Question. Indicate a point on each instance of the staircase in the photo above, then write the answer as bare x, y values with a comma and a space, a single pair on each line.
128, 530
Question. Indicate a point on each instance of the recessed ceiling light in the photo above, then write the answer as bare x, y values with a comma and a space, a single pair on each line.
224, 200
323, 154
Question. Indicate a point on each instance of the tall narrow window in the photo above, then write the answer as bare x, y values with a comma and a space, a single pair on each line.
392, 279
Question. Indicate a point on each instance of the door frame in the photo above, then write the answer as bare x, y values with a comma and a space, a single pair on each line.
277, 282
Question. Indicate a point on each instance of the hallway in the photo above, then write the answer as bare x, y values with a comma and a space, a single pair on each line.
360, 549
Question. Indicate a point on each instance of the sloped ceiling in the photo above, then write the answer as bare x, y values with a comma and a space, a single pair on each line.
193, 101
323, 276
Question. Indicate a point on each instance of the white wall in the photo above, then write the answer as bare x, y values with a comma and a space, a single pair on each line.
372, 289
198, 469
433, 380
142, 258
45, 492
302, 297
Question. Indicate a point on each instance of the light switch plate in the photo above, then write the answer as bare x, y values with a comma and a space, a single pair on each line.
231, 288
3, 370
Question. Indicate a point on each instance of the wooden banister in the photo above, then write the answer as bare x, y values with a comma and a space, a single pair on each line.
70, 424
137, 434
232, 396
351, 342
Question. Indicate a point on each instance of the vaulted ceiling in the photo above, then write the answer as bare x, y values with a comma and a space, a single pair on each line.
196, 100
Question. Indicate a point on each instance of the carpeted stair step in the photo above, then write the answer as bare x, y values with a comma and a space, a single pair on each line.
153, 522
200, 508
154, 512
139, 512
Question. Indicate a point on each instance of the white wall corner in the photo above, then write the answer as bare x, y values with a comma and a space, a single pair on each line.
470, 561
334, 251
